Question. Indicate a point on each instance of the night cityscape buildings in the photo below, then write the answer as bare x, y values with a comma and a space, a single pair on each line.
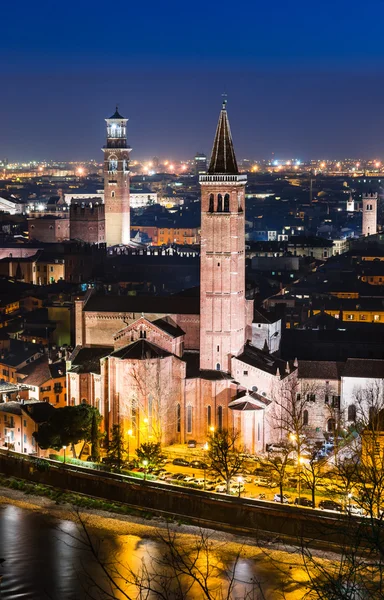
195, 332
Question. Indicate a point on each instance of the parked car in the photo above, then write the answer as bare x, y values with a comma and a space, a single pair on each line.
198, 464
189, 478
330, 505
181, 462
262, 481
191, 443
275, 448
353, 509
277, 498
221, 488
234, 489
304, 502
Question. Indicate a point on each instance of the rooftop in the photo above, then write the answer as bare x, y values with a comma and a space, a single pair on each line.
140, 349
143, 304
87, 360
320, 369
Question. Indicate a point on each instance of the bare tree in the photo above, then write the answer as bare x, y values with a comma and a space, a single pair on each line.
224, 456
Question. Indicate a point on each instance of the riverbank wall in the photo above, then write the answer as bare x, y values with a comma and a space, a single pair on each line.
237, 515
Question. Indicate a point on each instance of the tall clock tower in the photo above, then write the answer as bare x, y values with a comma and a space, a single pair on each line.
116, 181
222, 259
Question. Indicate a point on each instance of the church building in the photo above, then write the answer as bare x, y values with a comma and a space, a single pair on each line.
171, 369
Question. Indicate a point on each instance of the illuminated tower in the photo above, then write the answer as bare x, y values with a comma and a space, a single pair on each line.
116, 181
222, 262
369, 209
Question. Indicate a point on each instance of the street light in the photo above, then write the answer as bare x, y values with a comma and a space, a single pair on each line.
129, 434
145, 463
349, 496
239, 481
64, 448
212, 429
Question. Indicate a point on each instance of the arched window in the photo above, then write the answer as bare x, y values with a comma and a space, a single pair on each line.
331, 425
211, 201
112, 166
305, 417
351, 412
189, 419
218, 368
178, 418
219, 203
209, 416
220, 418
226, 203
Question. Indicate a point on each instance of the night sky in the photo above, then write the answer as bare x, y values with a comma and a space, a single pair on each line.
303, 79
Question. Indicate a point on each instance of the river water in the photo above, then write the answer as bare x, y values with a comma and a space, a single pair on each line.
46, 559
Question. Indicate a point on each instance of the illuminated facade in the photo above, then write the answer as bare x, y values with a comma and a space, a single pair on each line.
116, 182
369, 209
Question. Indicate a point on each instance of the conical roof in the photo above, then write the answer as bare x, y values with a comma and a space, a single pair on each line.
223, 159
116, 115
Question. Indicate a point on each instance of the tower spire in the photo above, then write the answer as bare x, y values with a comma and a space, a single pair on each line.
223, 159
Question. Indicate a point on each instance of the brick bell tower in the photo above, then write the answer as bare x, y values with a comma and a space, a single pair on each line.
116, 181
222, 262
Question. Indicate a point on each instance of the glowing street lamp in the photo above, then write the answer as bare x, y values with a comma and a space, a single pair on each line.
64, 448
145, 464
212, 429
129, 434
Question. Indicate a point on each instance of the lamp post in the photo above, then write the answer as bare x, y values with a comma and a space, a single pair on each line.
239, 481
205, 447
129, 434
64, 448
349, 496
145, 463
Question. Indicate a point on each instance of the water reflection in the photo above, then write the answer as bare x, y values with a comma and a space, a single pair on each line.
47, 558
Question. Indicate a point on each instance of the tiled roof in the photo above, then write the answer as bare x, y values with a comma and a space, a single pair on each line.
87, 360
140, 349
262, 360
10, 407
37, 372
19, 352
173, 329
360, 367
324, 369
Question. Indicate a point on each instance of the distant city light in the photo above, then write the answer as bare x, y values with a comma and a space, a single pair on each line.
171, 167
80, 171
